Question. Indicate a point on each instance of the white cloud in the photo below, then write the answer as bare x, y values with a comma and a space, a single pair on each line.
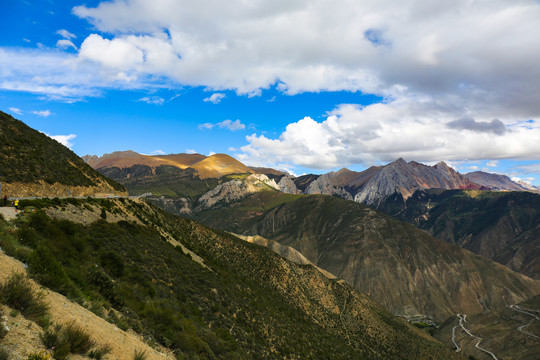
16, 110
493, 163
211, 153
42, 113
215, 98
65, 44
158, 152
66, 34
207, 126
155, 100
226, 124
379, 133
191, 151
64, 139
323, 45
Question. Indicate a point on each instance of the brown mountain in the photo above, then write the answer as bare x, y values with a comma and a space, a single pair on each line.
496, 181
404, 268
503, 226
213, 166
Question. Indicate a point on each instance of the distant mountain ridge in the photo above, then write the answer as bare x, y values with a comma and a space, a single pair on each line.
213, 166
376, 183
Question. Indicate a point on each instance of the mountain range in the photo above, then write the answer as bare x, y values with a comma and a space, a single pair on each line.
191, 291
305, 274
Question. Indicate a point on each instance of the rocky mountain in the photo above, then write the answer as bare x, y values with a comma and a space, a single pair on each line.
205, 167
496, 181
33, 164
503, 226
402, 267
201, 293
376, 183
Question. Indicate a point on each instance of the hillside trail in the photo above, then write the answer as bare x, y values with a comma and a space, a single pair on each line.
24, 336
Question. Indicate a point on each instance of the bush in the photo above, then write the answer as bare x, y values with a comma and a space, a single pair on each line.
39, 356
4, 354
17, 292
140, 355
78, 339
47, 270
99, 352
70, 338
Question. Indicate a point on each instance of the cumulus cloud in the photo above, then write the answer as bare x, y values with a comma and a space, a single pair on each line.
42, 113
226, 124
191, 151
64, 139
323, 45
16, 110
158, 152
215, 98
495, 126
154, 100
413, 129
320, 45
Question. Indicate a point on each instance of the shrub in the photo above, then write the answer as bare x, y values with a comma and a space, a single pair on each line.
51, 337
99, 352
4, 354
70, 338
140, 355
78, 339
47, 270
39, 356
17, 292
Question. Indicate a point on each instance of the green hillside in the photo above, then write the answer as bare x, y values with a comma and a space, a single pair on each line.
244, 303
29, 156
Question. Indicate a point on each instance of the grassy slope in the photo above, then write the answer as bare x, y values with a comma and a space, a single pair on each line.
163, 181
400, 266
27, 156
251, 304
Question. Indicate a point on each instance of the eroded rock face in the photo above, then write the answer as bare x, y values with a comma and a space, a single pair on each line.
286, 185
235, 190
405, 178
324, 185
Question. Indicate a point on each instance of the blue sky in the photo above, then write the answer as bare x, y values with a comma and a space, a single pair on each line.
308, 86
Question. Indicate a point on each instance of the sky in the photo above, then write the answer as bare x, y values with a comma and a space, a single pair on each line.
299, 85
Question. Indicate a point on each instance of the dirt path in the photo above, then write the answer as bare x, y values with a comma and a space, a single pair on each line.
9, 213
24, 338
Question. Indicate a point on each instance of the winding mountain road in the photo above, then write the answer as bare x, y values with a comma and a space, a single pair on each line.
462, 319
527, 312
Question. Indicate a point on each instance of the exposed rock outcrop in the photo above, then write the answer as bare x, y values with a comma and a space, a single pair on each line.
287, 185
324, 185
235, 190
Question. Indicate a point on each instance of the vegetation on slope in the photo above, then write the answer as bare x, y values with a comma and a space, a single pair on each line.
402, 267
28, 156
503, 226
250, 303
164, 180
